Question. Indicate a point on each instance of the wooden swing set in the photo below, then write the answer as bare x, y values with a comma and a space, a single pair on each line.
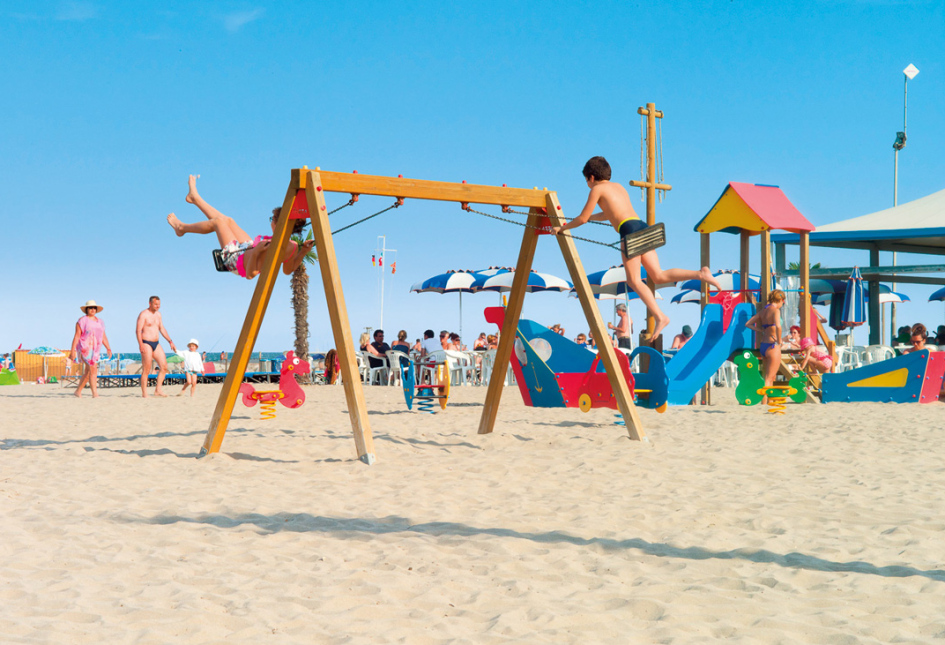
305, 199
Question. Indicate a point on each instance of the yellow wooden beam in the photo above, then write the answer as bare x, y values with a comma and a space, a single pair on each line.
805, 284
272, 262
765, 267
512, 312
338, 314
357, 184
605, 350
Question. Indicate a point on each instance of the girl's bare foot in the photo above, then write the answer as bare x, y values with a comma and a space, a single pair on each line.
706, 276
176, 224
192, 195
661, 323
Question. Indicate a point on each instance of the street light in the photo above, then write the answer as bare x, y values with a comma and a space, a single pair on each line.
909, 73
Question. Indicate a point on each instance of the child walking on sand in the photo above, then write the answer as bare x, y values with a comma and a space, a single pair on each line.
616, 208
193, 365
241, 254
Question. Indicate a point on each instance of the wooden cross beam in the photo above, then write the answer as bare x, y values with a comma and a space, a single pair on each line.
305, 198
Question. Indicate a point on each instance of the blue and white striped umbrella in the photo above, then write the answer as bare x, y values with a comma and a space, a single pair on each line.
885, 297
612, 282
938, 295
455, 282
854, 309
449, 282
536, 282
729, 279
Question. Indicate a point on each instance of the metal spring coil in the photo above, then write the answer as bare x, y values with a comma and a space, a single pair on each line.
267, 410
776, 404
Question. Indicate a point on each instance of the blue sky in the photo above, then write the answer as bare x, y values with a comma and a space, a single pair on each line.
108, 106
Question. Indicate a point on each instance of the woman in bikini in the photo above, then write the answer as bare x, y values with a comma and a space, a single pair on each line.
241, 254
767, 324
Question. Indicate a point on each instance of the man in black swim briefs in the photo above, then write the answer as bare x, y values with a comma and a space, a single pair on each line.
148, 331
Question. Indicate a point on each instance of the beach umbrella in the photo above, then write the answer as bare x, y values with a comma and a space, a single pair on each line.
613, 282
536, 282
885, 297
854, 310
461, 281
938, 295
729, 279
45, 351
688, 296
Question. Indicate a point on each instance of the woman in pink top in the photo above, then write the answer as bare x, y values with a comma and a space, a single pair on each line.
88, 340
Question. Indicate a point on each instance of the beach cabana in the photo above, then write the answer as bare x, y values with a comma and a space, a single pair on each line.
914, 227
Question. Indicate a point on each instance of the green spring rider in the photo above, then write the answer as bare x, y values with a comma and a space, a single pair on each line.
751, 384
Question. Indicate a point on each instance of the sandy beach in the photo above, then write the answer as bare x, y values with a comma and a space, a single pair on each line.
822, 526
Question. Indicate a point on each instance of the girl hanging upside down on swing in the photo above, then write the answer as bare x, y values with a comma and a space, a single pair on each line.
616, 209
239, 253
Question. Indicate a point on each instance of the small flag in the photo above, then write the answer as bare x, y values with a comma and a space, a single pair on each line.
393, 268
373, 261
380, 261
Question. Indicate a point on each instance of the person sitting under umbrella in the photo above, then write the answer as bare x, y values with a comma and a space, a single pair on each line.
918, 338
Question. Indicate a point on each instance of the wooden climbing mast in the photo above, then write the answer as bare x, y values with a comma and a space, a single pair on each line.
305, 198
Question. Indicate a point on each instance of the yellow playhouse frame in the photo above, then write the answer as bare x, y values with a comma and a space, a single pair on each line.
305, 198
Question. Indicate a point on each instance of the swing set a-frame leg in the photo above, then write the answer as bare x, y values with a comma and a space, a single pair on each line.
247, 340
305, 187
514, 310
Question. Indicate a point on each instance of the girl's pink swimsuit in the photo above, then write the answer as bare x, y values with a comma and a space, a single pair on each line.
233, 254
823, 358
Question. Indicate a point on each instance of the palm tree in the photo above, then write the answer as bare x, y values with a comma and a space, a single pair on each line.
796, 266
300, 298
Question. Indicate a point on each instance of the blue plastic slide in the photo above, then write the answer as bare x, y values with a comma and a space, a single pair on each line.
709, 347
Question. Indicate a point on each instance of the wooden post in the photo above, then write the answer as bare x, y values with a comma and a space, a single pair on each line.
765, 267
704, 261
254, 317
512, 312
605, 350
744, 264
804, 303
651, 114
338, 314
873, 311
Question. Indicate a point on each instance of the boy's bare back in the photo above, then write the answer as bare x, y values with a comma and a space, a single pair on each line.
613, 200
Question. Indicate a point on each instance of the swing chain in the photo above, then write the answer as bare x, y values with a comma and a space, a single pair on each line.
396, 204
351, 202
466, 207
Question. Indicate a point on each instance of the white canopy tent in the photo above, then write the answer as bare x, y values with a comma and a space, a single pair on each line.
914, 227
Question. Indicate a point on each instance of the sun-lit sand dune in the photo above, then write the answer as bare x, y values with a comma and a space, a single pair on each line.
822, 526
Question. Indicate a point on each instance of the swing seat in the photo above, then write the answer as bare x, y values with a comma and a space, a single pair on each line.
218, 261
652, 237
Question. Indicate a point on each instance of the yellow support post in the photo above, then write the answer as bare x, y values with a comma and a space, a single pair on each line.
338, 314
513, 311
254, 317
605, 350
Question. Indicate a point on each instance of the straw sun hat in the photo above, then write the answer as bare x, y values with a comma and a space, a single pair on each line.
91, 303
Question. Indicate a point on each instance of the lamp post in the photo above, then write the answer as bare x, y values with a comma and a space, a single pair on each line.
908, 73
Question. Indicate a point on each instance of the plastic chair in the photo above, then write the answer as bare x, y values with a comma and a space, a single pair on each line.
395, 359
878, 353
462, 367
848, 358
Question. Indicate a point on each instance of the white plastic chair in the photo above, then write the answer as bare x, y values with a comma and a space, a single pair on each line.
462, 367
395, 359
878, 353
379, 374
848, 358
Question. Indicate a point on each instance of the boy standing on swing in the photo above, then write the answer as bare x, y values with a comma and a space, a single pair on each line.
615, 207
